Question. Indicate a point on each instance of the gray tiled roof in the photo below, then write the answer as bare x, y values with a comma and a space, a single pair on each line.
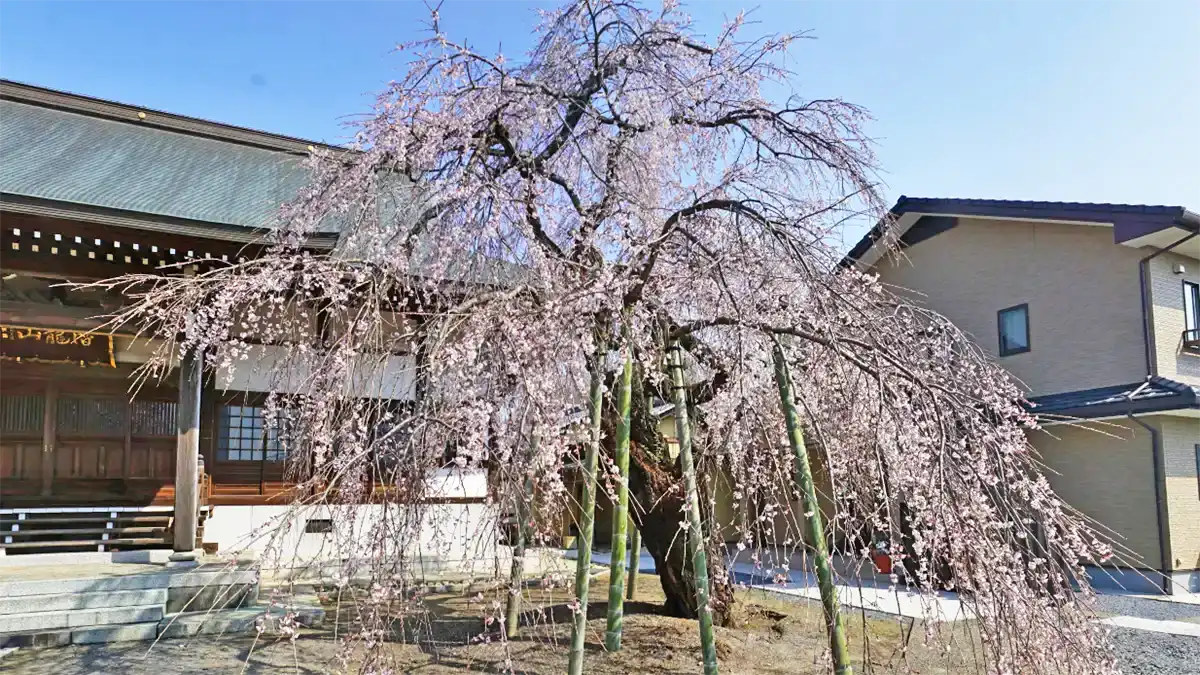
1156, 393
81, 159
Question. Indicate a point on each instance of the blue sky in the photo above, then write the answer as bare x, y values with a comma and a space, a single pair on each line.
1048, 100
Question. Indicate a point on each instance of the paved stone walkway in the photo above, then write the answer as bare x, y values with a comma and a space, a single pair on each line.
1154, 625
947, 607
865, 594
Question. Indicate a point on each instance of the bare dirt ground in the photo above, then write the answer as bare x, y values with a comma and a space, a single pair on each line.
771, 636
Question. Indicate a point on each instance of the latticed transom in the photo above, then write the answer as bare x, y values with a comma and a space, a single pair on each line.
22, 414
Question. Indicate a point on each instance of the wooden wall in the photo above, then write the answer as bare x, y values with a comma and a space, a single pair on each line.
107, 446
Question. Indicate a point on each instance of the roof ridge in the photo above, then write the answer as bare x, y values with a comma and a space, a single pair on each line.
135, 115
1124, 206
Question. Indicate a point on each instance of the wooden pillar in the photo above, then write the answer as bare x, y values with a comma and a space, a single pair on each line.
187, 452
49, 437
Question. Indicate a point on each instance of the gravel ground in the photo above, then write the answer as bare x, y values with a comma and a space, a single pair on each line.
1147, 608
1143, 653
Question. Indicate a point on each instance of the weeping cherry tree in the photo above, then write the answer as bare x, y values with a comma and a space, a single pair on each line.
498, 216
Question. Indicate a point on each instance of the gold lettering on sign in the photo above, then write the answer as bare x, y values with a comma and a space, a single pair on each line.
59, 345
50, 337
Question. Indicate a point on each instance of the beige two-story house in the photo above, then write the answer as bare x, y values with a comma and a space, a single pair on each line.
1095, 308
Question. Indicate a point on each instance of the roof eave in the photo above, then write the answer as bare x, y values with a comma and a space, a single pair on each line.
35, 206
1121, 408
1131, 226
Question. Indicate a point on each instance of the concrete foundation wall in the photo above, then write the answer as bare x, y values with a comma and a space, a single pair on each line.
459, 528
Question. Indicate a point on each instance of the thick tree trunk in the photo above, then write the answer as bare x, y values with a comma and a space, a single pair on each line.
651, 484
512, 613
656, 486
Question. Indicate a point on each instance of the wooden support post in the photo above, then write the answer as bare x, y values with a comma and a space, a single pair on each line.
187, 455
49, 437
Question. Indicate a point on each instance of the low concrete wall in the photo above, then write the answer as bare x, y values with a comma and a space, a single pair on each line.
459, 529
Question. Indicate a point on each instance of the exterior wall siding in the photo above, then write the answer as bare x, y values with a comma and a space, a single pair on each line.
1166, 293
1106, 470
1180, 436
1083, 293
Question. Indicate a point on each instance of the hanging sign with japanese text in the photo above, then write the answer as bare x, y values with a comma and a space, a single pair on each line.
56, 345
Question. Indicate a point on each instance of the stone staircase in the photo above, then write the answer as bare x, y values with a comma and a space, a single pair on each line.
49, 612
69, 529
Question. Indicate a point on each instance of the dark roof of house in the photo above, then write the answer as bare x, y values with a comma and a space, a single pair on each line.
1011, 208
1153, 395
1130, 220
70, 151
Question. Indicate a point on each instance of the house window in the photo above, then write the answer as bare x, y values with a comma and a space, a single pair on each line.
244, 435
1191, 306
1014, 330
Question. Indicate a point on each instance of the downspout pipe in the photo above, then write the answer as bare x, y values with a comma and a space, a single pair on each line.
1160, 487
1164, 533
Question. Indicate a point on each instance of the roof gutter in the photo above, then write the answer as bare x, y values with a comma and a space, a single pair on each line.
1189, 220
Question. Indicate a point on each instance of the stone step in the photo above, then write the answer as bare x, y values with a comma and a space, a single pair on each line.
80, 636
85, 543
113, 532
57, 602
126, 633
244, 621
42, 621
229, 622
84, 519
128, 582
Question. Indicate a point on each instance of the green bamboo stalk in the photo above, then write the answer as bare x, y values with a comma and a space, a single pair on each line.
620, 516
695, 539
512, 618
635, 561
583, 565
816, 530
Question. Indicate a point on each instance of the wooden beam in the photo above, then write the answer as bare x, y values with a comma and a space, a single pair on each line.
187, 452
